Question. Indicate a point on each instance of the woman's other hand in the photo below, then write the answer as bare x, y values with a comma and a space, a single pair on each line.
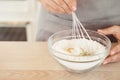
59, 6
114, 55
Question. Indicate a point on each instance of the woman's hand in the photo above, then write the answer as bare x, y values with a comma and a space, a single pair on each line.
59, 6
114, 55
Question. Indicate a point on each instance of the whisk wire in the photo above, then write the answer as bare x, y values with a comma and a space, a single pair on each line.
78, 29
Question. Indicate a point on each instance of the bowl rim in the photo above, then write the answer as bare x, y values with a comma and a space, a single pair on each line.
50, 44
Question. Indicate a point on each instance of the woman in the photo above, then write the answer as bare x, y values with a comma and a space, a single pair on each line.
56, 15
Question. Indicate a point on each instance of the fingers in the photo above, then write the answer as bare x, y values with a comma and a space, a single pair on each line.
68, 5
114, 30
63, 5
111, 59
60, 6
114, 55
110, 30
115, 50
53, 7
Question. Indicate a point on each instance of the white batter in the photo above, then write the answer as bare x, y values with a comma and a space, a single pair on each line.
79, 47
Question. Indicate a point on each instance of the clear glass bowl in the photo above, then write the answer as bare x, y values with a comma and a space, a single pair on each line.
79, 64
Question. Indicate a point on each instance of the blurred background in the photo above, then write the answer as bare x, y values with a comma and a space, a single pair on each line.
18, 20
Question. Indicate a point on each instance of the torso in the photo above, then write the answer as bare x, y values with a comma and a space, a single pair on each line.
94, 14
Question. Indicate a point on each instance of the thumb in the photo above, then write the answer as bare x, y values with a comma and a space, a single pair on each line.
72, 4
115, 50
107, 31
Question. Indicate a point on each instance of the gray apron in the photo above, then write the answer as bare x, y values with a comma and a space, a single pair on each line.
94, 14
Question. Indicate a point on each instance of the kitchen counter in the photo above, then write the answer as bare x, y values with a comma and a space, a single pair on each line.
32, 61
